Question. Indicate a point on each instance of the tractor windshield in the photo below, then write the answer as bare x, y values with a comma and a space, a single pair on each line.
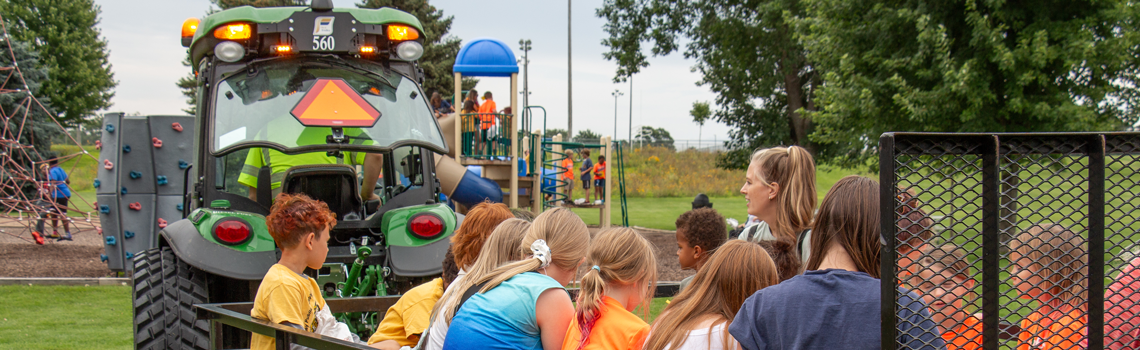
295, 105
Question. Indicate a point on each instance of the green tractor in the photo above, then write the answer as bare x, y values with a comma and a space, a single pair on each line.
316, 100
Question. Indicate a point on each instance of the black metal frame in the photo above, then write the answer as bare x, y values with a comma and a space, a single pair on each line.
991, 150
237, 315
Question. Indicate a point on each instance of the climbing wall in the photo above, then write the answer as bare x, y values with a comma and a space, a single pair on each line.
140, 184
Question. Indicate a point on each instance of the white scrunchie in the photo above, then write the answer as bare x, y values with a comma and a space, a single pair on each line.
540, 251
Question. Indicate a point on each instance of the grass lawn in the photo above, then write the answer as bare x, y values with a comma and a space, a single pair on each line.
65, 317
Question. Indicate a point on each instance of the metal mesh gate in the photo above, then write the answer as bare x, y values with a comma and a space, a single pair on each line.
1014, 241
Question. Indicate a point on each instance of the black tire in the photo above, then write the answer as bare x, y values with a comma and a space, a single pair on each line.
165, 290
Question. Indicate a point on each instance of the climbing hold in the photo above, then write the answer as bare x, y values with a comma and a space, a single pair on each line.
156, 142
161, 223
95, 183
104, 209
177, 127
98, 144
108, 165
123, 191
182, 164
126, 148
110, 240
162, 180
136, 206
128, 234
179, 206
135, 174
103, 257
110, 128
130, 256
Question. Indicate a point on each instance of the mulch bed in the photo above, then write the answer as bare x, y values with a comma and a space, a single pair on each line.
80, 258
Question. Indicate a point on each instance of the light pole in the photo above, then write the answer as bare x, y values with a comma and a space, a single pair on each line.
569, 77
524, 45
617, 93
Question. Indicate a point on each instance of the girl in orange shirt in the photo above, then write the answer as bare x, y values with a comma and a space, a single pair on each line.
1048, 263
621, 278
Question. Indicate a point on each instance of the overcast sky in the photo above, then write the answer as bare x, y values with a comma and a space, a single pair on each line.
146, 55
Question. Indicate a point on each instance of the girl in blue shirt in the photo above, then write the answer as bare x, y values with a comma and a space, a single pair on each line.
835, 304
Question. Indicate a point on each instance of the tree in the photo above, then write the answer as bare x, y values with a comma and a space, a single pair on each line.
551, 132
440, 49
657, 137
64, 33
700, 113
587, 136
746, 52
23, 114
969, 66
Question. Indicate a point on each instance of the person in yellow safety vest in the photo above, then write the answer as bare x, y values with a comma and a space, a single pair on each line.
280, 162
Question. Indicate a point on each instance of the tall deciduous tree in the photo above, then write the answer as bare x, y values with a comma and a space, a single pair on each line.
27, 122
440, 49
64, 34
746, 52
969, 66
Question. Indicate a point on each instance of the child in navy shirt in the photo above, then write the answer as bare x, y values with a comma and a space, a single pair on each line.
835, 304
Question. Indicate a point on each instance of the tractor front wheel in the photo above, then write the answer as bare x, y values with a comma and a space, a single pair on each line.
165, 290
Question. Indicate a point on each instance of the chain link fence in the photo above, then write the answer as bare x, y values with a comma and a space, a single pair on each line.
1012, 240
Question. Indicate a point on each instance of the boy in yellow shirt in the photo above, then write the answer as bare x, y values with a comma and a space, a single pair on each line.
300, 227
407, 320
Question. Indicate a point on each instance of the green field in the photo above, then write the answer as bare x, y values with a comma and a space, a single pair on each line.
65, 317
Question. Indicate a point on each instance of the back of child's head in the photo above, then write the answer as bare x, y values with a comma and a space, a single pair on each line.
734, 272
293, 216
502, 246
450, 269
53, 162
1057, 255
793, 169
617, 257
468, 106
947, 257
849, 218
564, 234
523, 214
476, 226
703, 228
913, 230
785, 255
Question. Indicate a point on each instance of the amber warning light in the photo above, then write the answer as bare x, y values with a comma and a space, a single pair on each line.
398, 32
189, 27
331, 102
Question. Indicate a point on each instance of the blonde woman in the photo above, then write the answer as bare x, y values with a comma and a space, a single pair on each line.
523, 305
779, 189
503, 246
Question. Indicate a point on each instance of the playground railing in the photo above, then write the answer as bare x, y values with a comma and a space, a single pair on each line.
237, 315
485, 135
1061, 206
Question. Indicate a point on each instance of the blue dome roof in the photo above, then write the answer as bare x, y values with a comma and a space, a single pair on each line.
486, 57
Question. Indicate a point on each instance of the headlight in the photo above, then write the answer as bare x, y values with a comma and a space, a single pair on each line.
409, 50
229, 51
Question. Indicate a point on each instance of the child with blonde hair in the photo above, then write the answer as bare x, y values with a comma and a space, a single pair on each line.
1048, 263
622, 277
524, 304
699, 316
943, 278
503, 246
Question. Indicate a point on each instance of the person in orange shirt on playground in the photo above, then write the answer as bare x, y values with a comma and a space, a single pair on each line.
487, 112
599, 177
943, 281
568, 175
1048, 263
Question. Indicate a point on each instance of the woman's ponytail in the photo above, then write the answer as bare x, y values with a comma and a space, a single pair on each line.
800, 191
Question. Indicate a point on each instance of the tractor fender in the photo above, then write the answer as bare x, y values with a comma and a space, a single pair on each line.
189, 246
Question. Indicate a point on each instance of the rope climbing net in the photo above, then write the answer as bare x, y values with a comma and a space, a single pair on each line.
23, 166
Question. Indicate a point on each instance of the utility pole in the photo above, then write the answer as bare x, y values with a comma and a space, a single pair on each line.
569, 79
617, 93
524, 45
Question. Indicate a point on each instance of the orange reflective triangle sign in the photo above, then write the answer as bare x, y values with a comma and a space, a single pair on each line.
331, 102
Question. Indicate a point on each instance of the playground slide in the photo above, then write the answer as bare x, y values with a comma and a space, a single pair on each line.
459, 184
